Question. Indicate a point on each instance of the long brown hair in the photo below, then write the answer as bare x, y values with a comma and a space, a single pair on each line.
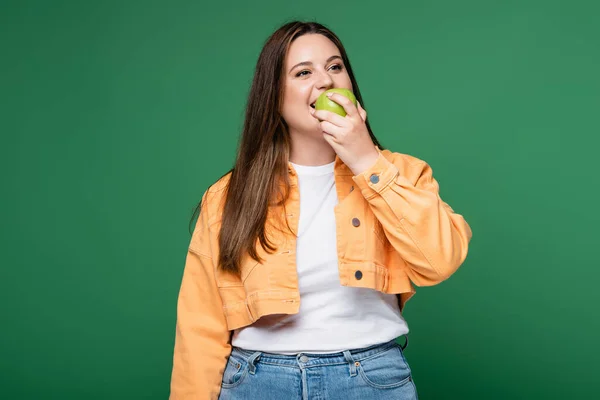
260, 178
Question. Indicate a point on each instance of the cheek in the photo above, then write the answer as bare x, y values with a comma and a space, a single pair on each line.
290, 107
294, 99
346, 82
291, 111
295, 102
299, 91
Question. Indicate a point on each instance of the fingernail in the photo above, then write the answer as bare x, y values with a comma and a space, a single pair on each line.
329, 94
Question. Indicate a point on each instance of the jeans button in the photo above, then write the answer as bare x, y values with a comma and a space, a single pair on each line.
304, 359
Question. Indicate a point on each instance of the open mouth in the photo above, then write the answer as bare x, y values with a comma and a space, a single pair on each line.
313, 105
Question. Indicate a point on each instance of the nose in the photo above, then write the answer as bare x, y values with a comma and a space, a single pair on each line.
324, 81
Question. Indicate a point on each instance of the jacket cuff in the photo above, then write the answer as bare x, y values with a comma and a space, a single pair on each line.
376, 178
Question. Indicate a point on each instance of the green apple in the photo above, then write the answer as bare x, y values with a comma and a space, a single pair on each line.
324, 103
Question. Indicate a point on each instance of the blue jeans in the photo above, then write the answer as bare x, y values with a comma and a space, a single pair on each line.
376, 372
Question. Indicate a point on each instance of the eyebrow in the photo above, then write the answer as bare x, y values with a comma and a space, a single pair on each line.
310, 63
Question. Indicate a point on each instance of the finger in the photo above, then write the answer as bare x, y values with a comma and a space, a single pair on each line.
331, 140
336, 119
361, 111
345, 102
331, 129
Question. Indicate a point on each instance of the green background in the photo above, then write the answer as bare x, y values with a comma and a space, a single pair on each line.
117, 115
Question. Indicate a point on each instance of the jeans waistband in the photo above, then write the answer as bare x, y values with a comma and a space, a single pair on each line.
310, 359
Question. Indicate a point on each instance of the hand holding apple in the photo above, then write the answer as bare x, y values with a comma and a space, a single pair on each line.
345, 130
324, 103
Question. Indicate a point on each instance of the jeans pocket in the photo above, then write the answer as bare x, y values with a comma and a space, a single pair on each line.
385, 370
235, 371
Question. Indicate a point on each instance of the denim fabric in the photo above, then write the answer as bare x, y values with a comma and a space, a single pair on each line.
376, 372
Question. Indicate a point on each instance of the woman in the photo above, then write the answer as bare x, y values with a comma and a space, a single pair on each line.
303, 254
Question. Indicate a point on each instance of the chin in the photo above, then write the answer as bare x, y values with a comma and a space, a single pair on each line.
309, 132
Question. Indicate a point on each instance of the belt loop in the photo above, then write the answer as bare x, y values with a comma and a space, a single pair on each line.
351, 363
251, 360
405, 342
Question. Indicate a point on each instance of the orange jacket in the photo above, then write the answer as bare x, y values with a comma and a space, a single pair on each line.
392, 230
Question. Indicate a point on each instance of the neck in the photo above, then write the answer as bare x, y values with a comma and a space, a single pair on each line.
310, 151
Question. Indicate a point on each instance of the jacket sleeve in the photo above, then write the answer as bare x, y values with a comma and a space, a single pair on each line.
202, 340
423, 229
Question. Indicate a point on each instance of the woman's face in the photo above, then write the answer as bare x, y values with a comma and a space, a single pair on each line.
313, 65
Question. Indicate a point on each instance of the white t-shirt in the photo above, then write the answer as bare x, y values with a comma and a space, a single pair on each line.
332, 317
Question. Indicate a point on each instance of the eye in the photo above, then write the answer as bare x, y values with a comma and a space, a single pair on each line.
305, 72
